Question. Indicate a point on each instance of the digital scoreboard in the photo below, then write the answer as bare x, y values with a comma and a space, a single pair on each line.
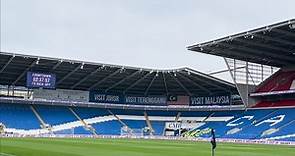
40, 80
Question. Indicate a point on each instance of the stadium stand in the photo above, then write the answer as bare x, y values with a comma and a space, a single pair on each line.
280, 81
271, 45
90, 99
250, 124
277, 90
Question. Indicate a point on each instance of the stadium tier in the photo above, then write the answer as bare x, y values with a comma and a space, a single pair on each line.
270, 124
277, 91
280, 81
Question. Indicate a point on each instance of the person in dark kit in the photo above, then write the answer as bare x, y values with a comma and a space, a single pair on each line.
213, 141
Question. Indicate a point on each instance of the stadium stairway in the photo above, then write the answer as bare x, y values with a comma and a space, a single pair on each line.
128, 130
86, 126
43, 124
177, 116
148, 123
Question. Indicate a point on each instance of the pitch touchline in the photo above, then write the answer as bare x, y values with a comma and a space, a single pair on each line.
5, 154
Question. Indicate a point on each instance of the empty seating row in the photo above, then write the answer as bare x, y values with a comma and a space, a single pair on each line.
281, 80
249, 124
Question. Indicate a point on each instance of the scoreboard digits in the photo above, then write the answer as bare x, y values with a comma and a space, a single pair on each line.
40, 80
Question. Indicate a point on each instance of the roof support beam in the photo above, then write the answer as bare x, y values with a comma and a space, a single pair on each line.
85, 78
250, 58
246, 57
181, 85
254, 51
24, 72
56, 65
105, 78
211, 84
124, 79
165, 83
284, 32
282, 41
69, 74
225, 70
6, 64
194, 83
208, 77
137, 81
150, 84
262, 45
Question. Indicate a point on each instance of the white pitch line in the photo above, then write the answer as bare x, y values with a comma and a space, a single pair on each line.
6, 154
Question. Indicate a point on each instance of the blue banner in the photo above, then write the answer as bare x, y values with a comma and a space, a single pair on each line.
102, 97
210, 100
40, 80
95, 96
105, 98
146, 100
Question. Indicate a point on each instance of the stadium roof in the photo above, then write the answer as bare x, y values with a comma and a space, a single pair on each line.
81, 75
272, 45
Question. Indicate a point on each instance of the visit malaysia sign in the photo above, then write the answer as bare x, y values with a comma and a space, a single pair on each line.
210, 100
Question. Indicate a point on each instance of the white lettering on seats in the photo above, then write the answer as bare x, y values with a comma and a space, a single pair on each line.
236, 123
274, 120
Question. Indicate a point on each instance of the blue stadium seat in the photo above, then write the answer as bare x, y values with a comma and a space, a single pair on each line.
55, 115
108, 127
18, 116
158, 127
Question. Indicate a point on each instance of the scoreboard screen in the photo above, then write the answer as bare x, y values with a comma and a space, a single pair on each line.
40, 80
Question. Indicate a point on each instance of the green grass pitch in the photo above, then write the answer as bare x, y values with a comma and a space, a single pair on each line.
132, 147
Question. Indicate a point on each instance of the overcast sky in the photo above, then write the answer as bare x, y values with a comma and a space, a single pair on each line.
141, 33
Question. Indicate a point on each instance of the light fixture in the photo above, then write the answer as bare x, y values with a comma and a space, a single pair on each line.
37, 62
292, 26
82, 66
122, 70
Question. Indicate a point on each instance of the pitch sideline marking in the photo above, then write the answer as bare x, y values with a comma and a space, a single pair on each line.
6, 154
